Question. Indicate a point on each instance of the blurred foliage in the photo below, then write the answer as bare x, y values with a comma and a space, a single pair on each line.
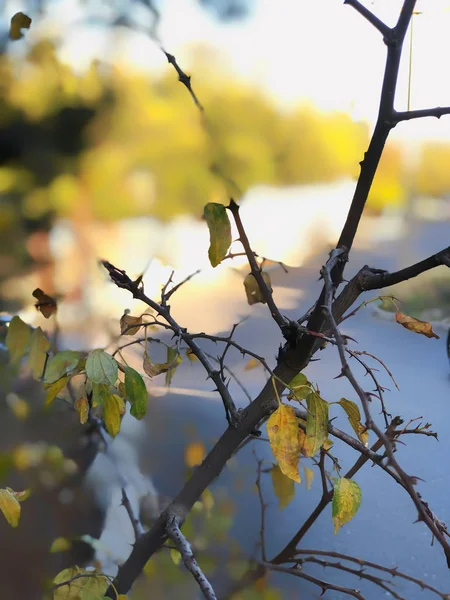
121, 145
433, 174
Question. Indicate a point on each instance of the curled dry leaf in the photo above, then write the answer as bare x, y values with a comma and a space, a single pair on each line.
18, 22
252, 289
130, 325
283, 432
154, 369
45, 304
415, 325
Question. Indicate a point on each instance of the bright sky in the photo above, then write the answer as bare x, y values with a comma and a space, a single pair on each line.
294, 50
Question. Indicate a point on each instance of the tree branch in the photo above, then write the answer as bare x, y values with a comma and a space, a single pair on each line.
184, 548
408, 115
255, 269
377, 280
367, 14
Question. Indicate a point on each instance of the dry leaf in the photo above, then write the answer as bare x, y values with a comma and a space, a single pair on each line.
127, 322
45, 304
422, 327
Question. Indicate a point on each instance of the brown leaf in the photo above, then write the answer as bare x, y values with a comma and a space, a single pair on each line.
126, 324
154, 369
45, 304
422, 327
18, 21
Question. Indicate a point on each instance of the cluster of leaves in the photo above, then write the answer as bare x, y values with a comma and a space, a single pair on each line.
290, 437
101, 388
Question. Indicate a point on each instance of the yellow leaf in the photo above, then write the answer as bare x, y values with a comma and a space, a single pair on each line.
282, 429
191, 356
253, 363
252, 289
54, 389
19, 407
346, 501
60, 544
354, 418
194, 454
111, 412
422, 327
19, 21
309, 476
82, 407
10, 507
283, 487
207, 500
130, 325
90, 586
316, 422
175, 556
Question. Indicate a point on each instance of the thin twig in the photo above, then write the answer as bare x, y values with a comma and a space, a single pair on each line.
184, 548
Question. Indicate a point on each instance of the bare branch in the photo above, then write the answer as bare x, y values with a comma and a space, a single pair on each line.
184, 547
377, 280
323, 585
437, 528
407, 115
394, 572
367, 14
184, 79
255, 269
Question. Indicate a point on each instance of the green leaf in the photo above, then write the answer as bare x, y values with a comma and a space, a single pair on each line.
18, 338
316, 422
61, 364
219, 232
173, 360
301, 386
136, 392
39, 346
10, 507
346, 502
354, 418
91, 587
54, 388
283, 486
101, 367
111, 412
